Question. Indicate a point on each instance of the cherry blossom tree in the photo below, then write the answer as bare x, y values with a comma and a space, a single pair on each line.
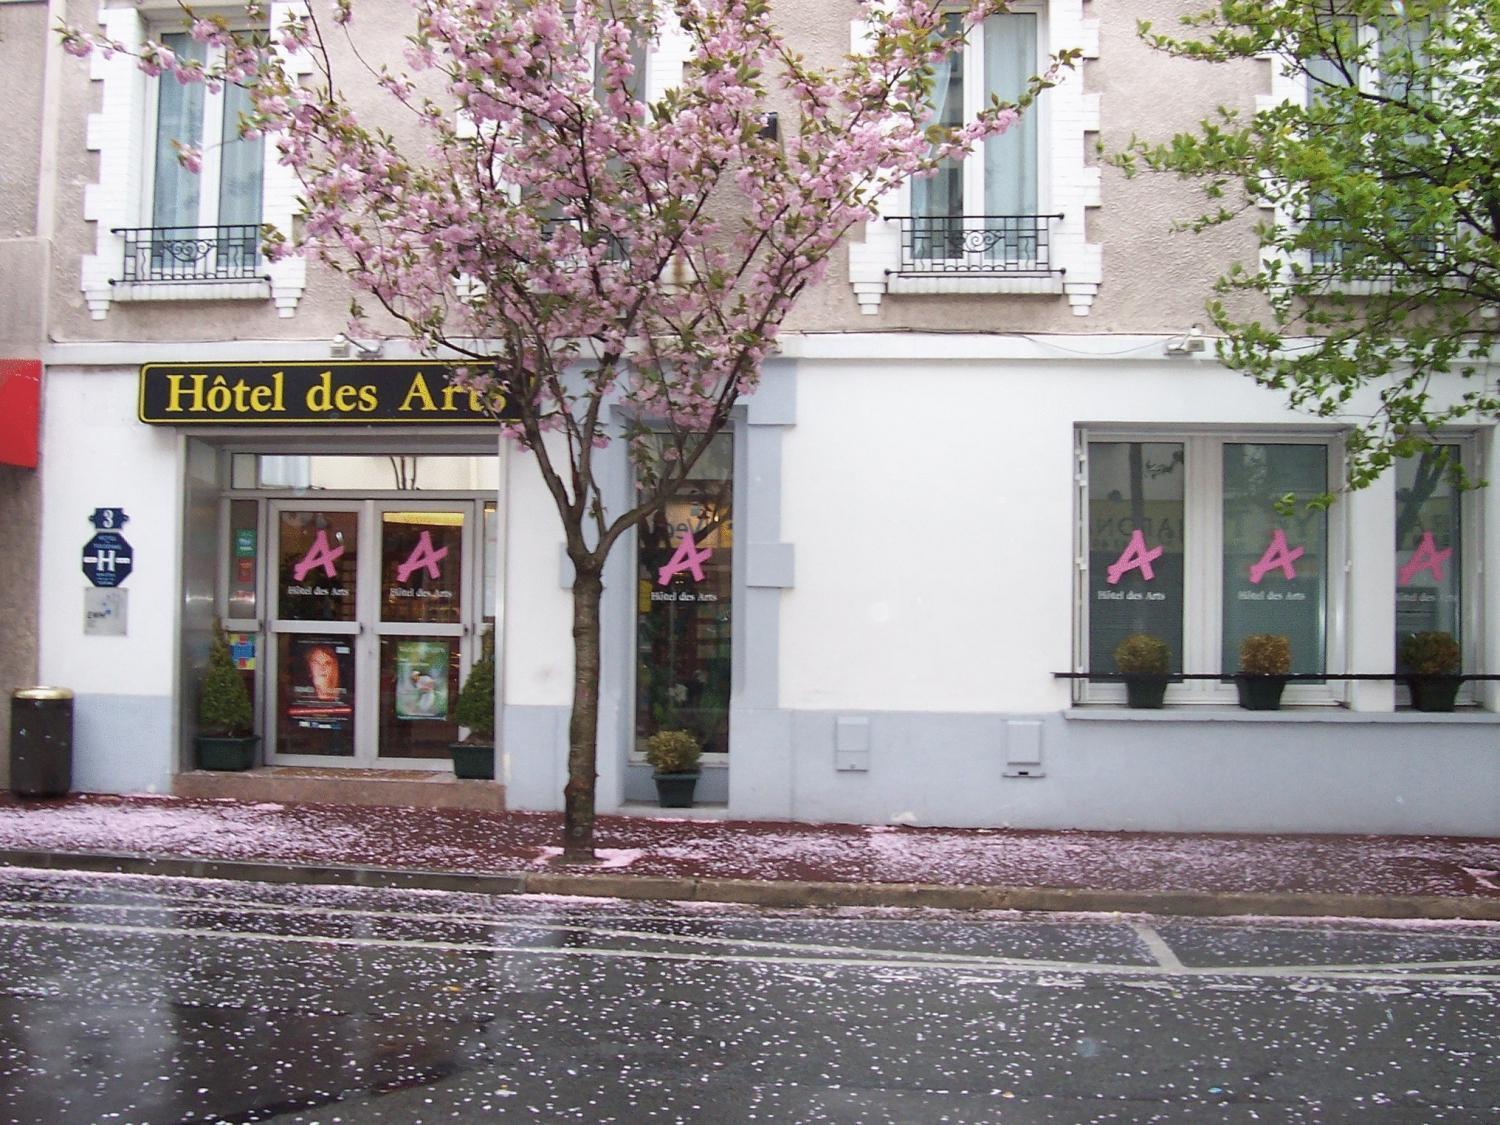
605, 267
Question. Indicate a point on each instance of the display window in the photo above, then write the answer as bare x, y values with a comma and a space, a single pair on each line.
1201, 541
684, 605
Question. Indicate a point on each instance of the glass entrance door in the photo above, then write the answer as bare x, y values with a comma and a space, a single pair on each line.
374, 604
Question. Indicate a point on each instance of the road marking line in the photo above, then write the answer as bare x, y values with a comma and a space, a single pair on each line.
1157, 947
1081, 968
917, 956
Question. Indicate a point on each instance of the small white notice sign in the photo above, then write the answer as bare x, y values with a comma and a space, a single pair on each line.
104, 611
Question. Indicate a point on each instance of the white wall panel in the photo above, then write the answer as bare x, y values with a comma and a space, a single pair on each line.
96, 455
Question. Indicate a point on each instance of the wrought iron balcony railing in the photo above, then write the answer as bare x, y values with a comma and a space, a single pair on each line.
985, 245
227, 253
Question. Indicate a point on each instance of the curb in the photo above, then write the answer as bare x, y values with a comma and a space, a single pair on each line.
782, 893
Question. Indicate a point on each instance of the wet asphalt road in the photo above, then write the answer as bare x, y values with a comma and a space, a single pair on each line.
139, 999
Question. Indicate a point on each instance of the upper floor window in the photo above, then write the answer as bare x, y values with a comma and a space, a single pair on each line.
204, 222
1011, 217
982, 211
1361, 60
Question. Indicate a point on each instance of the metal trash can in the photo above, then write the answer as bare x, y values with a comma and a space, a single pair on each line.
41, 741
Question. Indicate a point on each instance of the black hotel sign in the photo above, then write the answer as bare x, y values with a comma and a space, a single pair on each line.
270, 394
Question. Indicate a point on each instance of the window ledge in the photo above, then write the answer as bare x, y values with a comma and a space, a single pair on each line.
257, 289
1294, 714
927, 284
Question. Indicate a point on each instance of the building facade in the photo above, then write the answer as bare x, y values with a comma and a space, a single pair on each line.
991, 446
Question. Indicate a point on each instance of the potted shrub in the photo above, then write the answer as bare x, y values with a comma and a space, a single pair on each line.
1432, 661
1143, 660
1265, 663
226, 721
673, 755
474, 757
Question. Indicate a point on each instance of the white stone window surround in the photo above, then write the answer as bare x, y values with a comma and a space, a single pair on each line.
1068, 186
121, 132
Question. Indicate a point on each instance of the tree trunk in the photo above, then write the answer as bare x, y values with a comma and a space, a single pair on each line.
583, 726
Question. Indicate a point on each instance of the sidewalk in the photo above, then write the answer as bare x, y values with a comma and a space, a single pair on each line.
781, 864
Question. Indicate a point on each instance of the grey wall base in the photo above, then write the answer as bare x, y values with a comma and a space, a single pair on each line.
123, 743
1222, 771
1174, 770
534, 757
1206, 771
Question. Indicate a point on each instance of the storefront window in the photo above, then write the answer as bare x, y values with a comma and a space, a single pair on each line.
244, 555
685, 559
358, 473
1201, 540
1275, 549
1429, 548
1135, 529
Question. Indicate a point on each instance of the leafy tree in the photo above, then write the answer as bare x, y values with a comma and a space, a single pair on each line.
608, 266
1380, 269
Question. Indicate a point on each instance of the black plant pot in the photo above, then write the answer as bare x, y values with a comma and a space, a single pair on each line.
474, 761
1260, 693
675, 790
217, 752
1146, 690
1433, 691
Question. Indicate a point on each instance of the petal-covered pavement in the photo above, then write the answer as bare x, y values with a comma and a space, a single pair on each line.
471, 842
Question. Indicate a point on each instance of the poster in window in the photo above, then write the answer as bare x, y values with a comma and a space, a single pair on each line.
422, 680
322, 684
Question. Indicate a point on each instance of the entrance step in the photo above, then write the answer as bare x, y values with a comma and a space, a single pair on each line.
423, 789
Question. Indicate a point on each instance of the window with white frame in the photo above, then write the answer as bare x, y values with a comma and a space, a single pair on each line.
981, 212
1384, 57
1202, 540
1431, 541
161, 232
204, 224
1011, 218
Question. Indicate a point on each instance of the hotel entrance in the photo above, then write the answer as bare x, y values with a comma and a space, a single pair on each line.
355, 600
374, 606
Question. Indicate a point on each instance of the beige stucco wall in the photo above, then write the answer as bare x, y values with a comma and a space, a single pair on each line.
1154, 280
22, 30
